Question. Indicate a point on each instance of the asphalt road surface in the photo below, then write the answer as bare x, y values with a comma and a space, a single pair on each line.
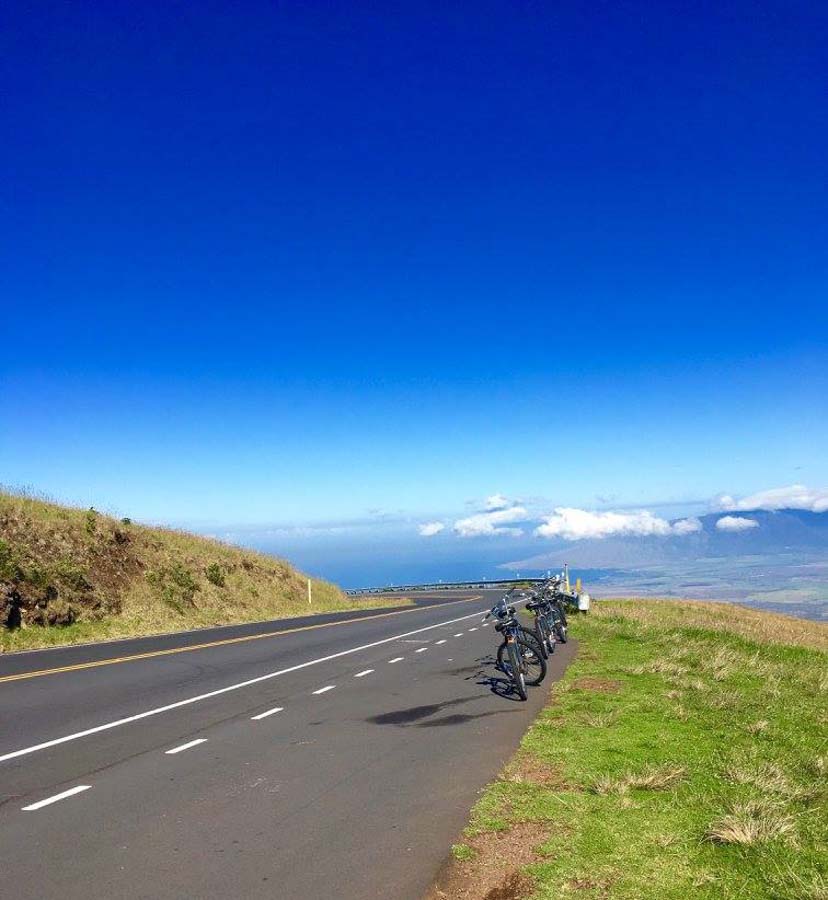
337, 755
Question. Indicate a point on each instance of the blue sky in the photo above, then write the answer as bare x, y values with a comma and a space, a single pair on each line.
321, 264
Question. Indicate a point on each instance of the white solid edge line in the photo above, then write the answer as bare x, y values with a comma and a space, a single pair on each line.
365, 672
107, 726
328, 687
267, 713
40, 803
186, 746
396, 659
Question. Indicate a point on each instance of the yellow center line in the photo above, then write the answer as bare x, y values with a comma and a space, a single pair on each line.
220, 643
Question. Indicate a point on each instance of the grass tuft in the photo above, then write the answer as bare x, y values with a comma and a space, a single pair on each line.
751, 823
661, 779
759, 727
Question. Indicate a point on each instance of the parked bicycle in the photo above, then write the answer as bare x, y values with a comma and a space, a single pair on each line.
528, 634
544, 625
517, 657
556, 599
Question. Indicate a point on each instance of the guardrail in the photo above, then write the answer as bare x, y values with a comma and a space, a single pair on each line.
578, 598
443, 586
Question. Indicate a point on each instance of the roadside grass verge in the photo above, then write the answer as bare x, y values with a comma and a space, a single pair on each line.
682, 755
69, 576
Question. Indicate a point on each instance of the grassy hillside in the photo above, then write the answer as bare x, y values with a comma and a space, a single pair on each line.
683, 755
70, 575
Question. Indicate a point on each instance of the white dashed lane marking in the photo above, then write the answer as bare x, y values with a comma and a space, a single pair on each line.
440, 642
328, 687
62, 796
361, 674
422, 650
178, 704
459, 634
186, 746
267, 713
396, 659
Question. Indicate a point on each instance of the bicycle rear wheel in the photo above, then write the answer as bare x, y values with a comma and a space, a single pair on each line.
559, 626
548, 635
540, 635
516, 665
534, 664
530, 638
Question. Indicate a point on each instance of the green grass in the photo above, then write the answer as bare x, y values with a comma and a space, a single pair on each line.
462, 852
682, 755
101, 577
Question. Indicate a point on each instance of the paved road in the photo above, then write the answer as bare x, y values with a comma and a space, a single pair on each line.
333, 756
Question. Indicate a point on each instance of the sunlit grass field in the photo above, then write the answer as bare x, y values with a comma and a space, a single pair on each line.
682, 755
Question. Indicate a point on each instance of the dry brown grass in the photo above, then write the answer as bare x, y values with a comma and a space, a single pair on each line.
759, 727
819, 767
753, 822
601, 685
727, 700
601, 720
660, 667
722, 664
765, 777
663, 778
526, 768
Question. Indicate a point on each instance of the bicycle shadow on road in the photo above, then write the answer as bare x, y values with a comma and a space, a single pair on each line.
421, 716
500, 685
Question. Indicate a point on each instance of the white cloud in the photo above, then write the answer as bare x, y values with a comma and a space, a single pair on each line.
581, 524
687, 526
497, 501
429, 529
489, 523
735, 523
795, 496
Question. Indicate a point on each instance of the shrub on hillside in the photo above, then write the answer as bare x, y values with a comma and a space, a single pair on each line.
91, 520
215, 575
176, 586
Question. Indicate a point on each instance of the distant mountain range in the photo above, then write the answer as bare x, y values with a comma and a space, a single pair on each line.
780, 531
